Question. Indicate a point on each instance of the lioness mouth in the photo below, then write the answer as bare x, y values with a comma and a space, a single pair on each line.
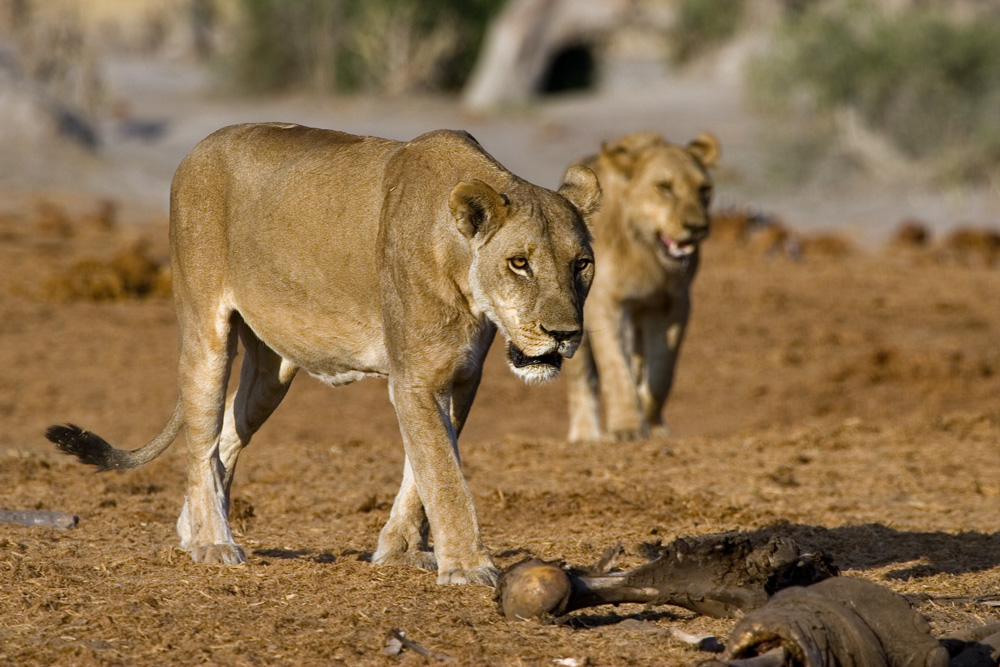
677, 249
520, 360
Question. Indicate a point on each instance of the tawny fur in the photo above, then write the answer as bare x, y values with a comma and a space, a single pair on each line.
646, 238
351, 256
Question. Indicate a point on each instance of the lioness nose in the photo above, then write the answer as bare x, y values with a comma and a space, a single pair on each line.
561, 336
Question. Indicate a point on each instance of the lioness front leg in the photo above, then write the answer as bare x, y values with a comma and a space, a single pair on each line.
432, 451
403, 539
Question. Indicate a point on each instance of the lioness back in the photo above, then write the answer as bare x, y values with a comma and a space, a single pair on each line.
301, 189
291, 212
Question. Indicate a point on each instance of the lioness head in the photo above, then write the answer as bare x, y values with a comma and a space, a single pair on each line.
666, 189
532, 265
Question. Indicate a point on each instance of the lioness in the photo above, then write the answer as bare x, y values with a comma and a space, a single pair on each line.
646, 236
348, 257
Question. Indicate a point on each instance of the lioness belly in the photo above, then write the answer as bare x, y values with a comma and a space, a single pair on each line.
347, 377
337, 349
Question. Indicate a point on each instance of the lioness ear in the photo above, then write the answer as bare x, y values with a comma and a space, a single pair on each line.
705, 148
581, 188
477, 208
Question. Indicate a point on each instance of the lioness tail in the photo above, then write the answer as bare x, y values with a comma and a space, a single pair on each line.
94, 450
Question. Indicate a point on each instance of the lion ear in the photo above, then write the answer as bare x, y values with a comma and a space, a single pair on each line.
624, 153
477, 208
705, 148
621, 157
581, 188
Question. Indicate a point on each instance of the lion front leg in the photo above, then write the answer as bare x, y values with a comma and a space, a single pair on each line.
582, 395
662, 333
611, 333
432, 452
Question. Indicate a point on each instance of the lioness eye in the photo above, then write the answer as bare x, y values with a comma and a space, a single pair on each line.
582, 264
666, 187
518, 263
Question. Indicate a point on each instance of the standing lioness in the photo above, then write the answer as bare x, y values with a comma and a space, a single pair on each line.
646, 239
349, 257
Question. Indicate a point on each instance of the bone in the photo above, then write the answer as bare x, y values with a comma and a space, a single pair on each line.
39, 518
718, 576
396, 641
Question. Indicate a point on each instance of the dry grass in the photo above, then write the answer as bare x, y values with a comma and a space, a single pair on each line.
130, 274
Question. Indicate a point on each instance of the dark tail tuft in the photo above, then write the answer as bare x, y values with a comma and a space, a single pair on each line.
89, 447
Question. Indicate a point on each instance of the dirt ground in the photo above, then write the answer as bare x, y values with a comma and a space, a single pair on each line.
847, 399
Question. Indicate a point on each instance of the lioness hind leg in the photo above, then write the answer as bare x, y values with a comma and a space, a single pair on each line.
265, 377
207, 351
264, 381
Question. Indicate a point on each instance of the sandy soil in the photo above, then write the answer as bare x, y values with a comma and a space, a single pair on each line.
847, 399
851, 402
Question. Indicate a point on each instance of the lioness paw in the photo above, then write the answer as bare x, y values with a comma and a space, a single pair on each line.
485, 575
425, 560
217, 554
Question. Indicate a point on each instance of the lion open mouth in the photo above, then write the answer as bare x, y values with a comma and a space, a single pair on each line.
521, 360
677, 249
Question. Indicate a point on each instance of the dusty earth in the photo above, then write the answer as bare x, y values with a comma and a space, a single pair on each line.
841, 391
848, 399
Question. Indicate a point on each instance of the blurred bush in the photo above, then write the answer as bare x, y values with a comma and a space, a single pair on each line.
44, 44
928, 82
701, 25
391, 46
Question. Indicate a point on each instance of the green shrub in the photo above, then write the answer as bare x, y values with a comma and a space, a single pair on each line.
929, 83
703, 24
351, 45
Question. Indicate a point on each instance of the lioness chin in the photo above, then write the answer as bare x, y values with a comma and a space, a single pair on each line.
351, 256
647, 233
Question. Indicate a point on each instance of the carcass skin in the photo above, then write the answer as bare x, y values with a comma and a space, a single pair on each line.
840, 621
798, 612
719, 575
